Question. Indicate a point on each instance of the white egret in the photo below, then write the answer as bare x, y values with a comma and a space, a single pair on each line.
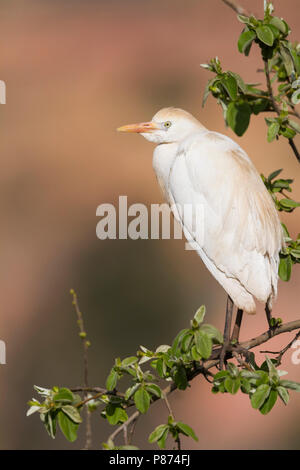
242, 234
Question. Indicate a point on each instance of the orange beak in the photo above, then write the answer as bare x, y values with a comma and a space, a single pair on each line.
142, 127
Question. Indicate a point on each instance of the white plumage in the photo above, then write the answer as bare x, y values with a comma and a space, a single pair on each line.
242, 235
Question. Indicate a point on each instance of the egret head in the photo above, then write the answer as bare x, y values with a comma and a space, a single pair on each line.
167, 126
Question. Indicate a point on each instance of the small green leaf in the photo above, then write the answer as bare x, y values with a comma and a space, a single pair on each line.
291, 385
284, 394
67, 426
273, 130
245, 41
274, 174
142, 400
154, 390
260, 395
285, 268
296, 96
203, 343
230, 84
64, 395
269, 403
112, 379
238, 117
115, 414
200, 314
128, 361
279, 24
186, 430
180, 377
265, 35
294, 125
212, 332
72, 413
157, 433
162, 441
287, 132
289, 203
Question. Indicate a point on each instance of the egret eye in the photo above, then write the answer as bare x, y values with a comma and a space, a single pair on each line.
167, 124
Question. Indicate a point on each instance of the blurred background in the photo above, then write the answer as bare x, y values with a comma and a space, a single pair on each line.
75, 71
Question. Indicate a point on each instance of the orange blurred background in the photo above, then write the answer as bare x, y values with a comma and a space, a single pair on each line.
74, 72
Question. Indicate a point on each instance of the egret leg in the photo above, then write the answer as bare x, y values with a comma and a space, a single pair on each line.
269, 316
237, 326
227, 329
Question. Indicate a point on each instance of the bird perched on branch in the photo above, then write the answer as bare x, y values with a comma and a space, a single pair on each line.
242, 235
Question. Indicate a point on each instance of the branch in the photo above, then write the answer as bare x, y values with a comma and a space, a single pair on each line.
237, 8
284, 350
214, 361
85, 344
276, 107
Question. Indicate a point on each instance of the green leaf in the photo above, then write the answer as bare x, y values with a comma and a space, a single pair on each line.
274, 174
230, 84
265, 35
279, 24
200, 314
112, 379
180, 377
186, 342
273, 374
287, 60
291, 385
260, 395
287, 132
115, 414
241, 84
228, 384
296, 96
284, 394
289, 203
157, 433
203, 343
269, 403
207, 90
194, 353
64, 395
67, 426
154, 390
238, 117
142, 400
49, 421
245, 41
72, 413
285, 268
186, 430
128, 361
212, 332
162, 441
294, 125
273, 130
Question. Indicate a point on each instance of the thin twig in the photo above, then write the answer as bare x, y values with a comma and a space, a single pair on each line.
85, 345
237, 8
276, 107
282, 351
